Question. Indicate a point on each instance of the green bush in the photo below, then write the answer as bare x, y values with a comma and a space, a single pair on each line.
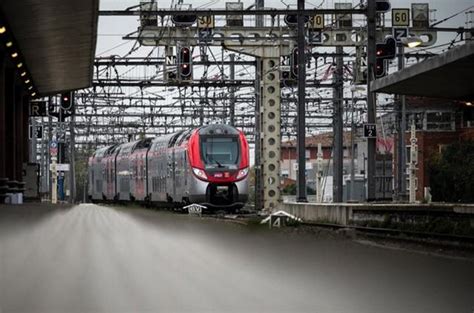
291, 190
452, 174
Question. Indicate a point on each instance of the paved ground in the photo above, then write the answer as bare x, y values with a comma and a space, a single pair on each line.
98, 259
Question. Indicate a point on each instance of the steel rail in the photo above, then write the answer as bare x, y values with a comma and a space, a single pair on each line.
392, 231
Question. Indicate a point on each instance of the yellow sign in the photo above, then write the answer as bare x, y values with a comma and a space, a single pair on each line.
401, 17
318, 21
206, 21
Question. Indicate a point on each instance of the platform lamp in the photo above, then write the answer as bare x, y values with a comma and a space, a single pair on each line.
409, 42
412, 41
354, 89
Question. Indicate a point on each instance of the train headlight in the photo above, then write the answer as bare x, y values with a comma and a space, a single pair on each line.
199, 173
242, 173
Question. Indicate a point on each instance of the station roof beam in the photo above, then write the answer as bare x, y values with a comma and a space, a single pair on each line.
57, 39
448, 75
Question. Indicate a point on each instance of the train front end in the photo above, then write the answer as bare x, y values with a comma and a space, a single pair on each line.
219, 160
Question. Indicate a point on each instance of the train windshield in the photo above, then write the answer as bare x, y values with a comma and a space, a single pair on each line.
220, 151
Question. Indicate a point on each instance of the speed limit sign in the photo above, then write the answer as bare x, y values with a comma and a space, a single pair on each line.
318, 21
401, 17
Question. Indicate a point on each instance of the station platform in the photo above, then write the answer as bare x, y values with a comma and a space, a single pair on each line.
346, 213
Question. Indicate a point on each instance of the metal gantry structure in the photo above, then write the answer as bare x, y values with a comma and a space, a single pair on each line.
239, 61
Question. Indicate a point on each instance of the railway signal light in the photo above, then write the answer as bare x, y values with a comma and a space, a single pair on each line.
185, 63
292, 19
287, 79
289, 69
184, 20
384, 51
382, 5
66, 101
294, 64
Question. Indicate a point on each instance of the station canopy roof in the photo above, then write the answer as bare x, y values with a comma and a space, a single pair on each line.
57, 39
448, 75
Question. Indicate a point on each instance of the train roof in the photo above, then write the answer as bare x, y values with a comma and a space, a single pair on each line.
112, 149
219, 129
130, 147
100, 152
127, 147
143, 144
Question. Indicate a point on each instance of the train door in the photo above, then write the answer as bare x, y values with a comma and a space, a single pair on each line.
173, 162
91, 179
169, 173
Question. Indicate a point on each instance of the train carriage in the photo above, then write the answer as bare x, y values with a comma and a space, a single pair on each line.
124, 171
207, 165
96, 175
219, 160
139, 169
109, 188
159, 169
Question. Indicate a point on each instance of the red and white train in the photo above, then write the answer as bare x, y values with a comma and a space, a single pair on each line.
208, 165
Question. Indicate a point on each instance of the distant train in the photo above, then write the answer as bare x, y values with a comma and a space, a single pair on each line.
208, 165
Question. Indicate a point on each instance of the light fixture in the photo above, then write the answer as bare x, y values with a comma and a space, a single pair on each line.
33, 94
9, 44
30, 88
14, 55
27, 81
23, 74
19, 65
468, 103
3, 29
412, 41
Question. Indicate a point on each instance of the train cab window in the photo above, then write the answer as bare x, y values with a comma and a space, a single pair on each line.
220, 150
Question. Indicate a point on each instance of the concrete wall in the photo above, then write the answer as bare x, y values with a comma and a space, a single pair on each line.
310, 212
344, 213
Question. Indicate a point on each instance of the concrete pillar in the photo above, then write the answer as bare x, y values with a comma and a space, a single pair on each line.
10, 123
19, 138
3, 130
270, 118
24, 129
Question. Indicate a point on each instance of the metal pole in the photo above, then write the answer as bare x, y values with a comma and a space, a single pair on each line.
338, 155
43, 162
259, 4
371, 97
72, 151
48, 155
33, 140
352, 150
402, 123
232, 90
301, 135
319, 176
413, 163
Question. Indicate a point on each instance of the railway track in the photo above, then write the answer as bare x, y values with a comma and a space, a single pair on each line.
405, 235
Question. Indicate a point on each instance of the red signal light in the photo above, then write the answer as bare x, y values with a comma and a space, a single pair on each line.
384, 51
184, 61
66, 102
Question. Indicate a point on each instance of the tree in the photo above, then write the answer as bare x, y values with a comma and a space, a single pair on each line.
452, 174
